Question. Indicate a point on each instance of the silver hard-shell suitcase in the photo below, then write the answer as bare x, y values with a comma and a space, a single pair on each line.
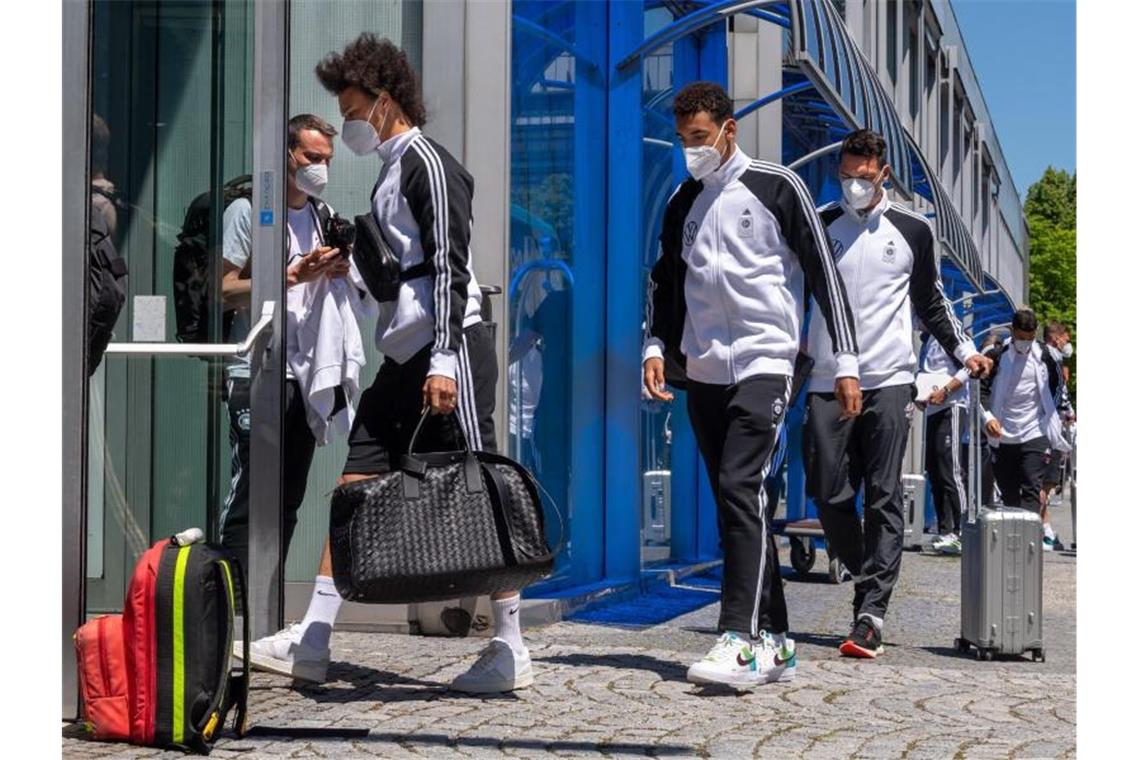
1001, 567
914, 510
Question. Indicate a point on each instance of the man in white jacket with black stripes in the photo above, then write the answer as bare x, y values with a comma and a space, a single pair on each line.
739, 242
438, 353
886, 257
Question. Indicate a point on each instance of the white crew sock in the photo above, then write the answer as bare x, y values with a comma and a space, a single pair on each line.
316, 628
506, 614
1049, 531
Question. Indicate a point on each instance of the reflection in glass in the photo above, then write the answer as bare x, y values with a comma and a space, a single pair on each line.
657, 161
171, 102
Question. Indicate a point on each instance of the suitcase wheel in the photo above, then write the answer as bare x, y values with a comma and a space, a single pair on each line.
803, 555
1039, 655
962, 646
985, 654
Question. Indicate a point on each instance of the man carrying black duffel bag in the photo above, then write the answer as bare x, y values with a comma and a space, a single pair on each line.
437, 350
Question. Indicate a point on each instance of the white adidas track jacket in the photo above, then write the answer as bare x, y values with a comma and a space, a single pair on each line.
422, 204
726, 294
887, 260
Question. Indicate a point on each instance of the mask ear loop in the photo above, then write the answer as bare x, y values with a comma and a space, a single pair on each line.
384, 121
719, 135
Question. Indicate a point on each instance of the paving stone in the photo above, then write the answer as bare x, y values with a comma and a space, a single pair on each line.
620, 691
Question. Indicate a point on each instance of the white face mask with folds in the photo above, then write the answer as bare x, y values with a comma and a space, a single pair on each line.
312, 179
703, 160
359, 134
1022, 346
860, 192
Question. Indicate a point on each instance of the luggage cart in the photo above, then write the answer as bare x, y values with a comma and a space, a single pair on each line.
801, 526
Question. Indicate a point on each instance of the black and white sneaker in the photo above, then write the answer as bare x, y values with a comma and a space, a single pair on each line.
863, 641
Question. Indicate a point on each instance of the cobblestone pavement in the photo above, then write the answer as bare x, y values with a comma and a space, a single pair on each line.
616, 691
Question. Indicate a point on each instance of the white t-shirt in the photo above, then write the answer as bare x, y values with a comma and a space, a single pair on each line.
1022, 406
303, 230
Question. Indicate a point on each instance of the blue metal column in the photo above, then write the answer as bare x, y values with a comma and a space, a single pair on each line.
713, 62
622, 283
587, 390
689, 478
696, 537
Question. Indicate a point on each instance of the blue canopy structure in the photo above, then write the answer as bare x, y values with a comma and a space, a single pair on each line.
831, 60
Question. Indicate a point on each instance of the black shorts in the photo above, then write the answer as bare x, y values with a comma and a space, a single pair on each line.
391, 407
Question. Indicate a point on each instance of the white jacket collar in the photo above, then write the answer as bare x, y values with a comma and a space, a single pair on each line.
393, 148
729, 170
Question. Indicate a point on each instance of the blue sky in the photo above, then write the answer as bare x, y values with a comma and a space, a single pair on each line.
1024, 54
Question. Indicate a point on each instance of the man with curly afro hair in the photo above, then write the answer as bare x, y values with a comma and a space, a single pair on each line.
437, 351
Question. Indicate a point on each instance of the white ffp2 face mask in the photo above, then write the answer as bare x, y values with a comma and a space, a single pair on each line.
1022, 346
1067, 350
859, 192
703, 160
359, 134
311, 179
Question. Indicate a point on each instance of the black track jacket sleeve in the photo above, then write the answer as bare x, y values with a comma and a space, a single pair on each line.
926, 293
439, 191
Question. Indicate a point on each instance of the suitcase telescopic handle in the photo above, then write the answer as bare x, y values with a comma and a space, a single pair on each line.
974, 457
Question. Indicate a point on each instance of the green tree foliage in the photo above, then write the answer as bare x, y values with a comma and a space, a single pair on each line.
1053, 198
1051, 211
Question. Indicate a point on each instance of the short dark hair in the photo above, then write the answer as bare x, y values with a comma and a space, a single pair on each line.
1025, 320
1055, 328
703, 96
308, 121
864, 142
374, 64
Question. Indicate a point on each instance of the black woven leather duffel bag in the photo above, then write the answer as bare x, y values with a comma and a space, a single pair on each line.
449, 524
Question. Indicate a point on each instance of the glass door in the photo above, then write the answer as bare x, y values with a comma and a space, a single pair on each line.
170, 159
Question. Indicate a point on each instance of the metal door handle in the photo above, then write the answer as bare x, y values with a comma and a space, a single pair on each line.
263, 324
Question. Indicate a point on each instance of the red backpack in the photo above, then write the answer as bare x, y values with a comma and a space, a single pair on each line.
160, 673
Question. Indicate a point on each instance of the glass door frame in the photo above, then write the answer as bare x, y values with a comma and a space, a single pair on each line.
265, 571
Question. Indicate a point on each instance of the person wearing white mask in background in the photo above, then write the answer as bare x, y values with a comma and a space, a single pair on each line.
886, 256
309, 152
437, 351
1023, 419
740, 245
1060, 348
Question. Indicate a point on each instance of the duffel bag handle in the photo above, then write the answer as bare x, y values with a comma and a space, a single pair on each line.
415, 469
419, 426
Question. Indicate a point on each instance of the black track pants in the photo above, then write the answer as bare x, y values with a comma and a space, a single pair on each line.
1020, 471
946, 466
840, 456
736, 428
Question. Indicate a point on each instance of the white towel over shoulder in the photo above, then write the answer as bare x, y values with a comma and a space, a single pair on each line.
328, 351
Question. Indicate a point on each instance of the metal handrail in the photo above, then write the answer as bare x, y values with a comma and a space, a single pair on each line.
203, 349
983, 294
815, 154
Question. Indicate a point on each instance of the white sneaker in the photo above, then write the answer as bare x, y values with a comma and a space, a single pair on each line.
286, 654
734, 661
499, 668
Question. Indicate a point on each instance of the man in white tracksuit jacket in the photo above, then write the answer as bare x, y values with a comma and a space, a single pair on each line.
885, 255
739, 241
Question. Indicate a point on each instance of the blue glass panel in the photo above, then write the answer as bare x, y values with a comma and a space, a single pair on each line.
555, 373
